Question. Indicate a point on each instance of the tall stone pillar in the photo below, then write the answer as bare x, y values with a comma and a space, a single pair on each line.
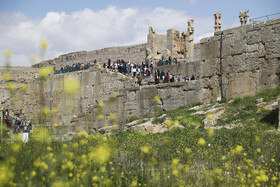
150, 45
217, 21
191, 39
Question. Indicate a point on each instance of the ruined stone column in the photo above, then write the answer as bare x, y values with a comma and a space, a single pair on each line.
243, 16
150, 47
217, 21
191, 39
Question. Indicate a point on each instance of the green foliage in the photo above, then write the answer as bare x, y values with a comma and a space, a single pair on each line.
246, 110
249, 154
132, 118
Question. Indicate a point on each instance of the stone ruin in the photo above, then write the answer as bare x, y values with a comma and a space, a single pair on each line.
173, 45
218, 22
243, 16
251, 63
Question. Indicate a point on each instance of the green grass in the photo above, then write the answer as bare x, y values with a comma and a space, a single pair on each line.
247, 112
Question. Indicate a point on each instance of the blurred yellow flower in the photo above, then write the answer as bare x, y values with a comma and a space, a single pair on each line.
6, 76
33, 173
7, 54
100, 117
145, 149
23, 88
113, 96
70, 165
15, 148
33, 58
156, 98
209, 116
55, 125
201, 142
175, 172
71, 86
210, 132
94, 178
45, 111
44, 72
101, 104
101, 154
169, 123
238, 150
6, 176
49, 148
188, 150
103, 169
11, 86
54, 111
112, 118
134, 183
44, 44
257, 139
175, 161
218, 171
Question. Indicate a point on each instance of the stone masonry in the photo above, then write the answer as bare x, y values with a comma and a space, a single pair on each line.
172, 44
133, 53
237, 62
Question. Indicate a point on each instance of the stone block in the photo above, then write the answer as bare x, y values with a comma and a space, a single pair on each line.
238, 48
209, 50
252, 48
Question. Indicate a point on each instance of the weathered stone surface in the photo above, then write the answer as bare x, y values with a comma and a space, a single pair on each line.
250, 64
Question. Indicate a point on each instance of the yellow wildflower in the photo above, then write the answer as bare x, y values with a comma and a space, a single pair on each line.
45, 72
113, 96
145, 149
101, 154
71, 86
100, 116
169, 123
156, 98
188, 150
210, 132
112, 118
201, 142
6, 77
101, 104
44, 44
23, 88
209, 116
11, 86
55, 125
16, 148
175, 161
7, 54
54, 111
33, 58
134, 183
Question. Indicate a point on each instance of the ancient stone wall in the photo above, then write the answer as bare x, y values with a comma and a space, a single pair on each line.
249, 63
173, 44
250, 59
133, 53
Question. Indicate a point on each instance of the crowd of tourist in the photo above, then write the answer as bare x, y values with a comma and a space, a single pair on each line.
144, 71
74, 67
14, 123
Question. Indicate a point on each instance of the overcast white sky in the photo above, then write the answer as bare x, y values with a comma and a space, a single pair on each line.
72, 25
